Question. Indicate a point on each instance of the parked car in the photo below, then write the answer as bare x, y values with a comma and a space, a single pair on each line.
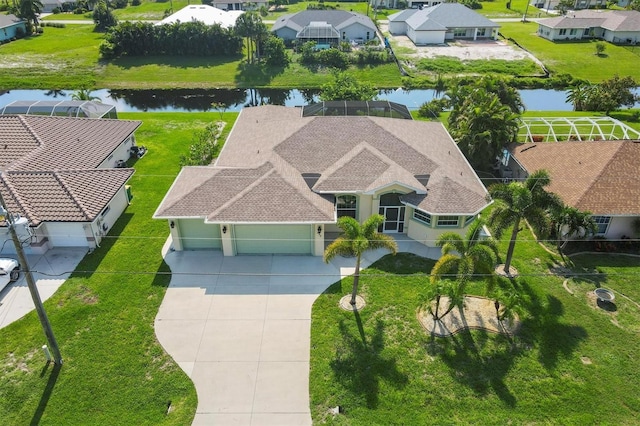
9, 271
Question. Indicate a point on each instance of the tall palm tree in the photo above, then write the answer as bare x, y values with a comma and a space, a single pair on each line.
526, 200
356, 239
465, 255
29, 10
570, 222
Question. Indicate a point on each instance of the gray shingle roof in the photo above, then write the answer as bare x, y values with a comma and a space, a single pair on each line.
258, 176
336, 18
596, 176
9, 20
614, 20
448, 15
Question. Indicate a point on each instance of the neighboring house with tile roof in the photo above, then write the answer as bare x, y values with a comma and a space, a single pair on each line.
9, 27
615, 26
282, 180
60, 174
442, 22
595, 176
325, 26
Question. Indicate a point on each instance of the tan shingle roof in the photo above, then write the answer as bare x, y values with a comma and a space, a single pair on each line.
596, 176
61, 196
275, 145
48, 143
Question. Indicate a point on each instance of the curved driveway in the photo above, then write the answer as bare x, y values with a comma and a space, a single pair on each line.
240, 327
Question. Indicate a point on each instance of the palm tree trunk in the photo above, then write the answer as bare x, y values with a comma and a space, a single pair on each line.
512, 246
356, 278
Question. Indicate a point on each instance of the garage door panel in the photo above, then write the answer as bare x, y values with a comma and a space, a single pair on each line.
276, 239
197, 235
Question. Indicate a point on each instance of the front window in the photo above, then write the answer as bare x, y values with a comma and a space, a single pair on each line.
448, 221
481, 32
562, 31
346, 205
421, 216
459, 32
603, 224
468, 220
573, 32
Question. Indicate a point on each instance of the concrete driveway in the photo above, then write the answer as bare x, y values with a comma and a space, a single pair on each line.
49, 270
239, 327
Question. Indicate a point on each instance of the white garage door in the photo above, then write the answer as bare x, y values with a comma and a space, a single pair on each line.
276, 239
197, 235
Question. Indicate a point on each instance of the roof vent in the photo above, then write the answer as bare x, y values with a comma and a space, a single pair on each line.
311, 178
423, 179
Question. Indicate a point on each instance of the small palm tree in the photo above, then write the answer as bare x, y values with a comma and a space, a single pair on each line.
356, 239
84, 95
526, 200
443, 288
465, 255
570, 222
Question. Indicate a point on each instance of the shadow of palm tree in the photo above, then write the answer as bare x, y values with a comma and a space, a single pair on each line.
482, 369
256, 74
360, 363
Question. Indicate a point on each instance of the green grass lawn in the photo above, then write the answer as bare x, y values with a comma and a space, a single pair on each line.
575, 58
569, 357
115, 371
60, 58
446, 65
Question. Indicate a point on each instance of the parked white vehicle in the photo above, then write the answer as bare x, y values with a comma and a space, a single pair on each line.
9, 271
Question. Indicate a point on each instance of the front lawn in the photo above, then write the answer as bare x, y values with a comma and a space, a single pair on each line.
571, 362
115, 371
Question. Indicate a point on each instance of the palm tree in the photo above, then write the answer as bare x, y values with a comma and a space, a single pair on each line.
443, 288
570, 222
356, 239
29, 10
465, 255
250, 26
84, 95
516, 201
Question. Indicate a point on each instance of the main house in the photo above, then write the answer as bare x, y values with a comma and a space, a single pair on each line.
325, 26
442, 22
595, 176
59, 175
283, 179
615, 26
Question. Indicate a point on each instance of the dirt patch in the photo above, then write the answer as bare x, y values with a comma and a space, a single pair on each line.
462, 49
479, 313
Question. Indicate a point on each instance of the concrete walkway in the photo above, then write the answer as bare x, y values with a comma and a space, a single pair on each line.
240, 327
49, 270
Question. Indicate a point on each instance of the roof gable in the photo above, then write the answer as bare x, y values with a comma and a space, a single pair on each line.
447, 15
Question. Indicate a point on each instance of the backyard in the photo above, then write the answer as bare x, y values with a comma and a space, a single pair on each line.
571, 361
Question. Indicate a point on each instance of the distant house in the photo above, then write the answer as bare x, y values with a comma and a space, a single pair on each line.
49, 6
325, 26
595, 176
577, 4
59, 174
615, 26
204, 13
10, 26
240, 5
442, 22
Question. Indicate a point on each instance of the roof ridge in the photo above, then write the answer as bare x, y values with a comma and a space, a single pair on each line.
241, 194
23, 205
40, 142
68, 190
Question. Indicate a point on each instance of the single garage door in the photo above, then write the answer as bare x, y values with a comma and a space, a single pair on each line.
276, 239
197, 235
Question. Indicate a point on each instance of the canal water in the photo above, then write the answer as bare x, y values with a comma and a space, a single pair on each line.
186, 100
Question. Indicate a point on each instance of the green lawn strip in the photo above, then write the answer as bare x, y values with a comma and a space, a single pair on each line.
576, 58
403, 376
498, 9
450, 65
103, 316
60, 58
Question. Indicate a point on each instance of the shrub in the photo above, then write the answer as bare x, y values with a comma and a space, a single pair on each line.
20, 32
56, 10
431, 109
119, 4
136, 2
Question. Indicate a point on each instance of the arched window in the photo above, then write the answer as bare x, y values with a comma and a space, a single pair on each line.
347, 205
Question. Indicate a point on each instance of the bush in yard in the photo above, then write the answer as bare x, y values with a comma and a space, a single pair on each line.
275, 52
204, 148
103, 17
600, 48
333, 58
432, 109
136, 2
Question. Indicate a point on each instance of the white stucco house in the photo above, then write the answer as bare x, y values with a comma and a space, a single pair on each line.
60, 175
283, 179
240, 4
577, 4
615, 26
442, 22
594, 176
325, 26
209, 15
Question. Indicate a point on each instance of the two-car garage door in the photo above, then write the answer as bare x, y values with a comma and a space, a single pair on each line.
276, 239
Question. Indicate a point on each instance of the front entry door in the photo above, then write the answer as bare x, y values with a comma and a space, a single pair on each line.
393, 219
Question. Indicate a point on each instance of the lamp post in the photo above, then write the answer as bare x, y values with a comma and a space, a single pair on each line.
42, 315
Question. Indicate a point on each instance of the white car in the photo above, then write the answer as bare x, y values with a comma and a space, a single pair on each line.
9, 271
